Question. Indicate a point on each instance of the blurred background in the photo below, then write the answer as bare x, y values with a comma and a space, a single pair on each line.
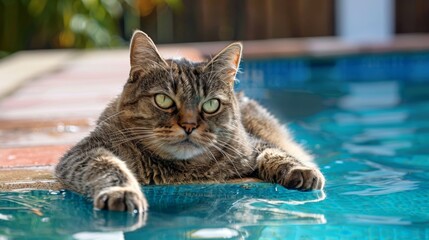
46, 24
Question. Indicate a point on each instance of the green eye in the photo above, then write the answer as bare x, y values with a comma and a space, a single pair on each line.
163, 101
211, 106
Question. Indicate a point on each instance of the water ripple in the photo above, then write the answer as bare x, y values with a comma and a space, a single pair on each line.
382, 180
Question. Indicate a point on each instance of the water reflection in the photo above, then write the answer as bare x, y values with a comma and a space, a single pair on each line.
371, 95
362, 219
99, 235
382, 180
192, 211
254, 211
214, 233
58, 213
179, 212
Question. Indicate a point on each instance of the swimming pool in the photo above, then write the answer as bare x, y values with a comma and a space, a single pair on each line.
366, 118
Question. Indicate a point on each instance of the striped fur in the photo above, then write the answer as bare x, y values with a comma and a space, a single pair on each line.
136, 141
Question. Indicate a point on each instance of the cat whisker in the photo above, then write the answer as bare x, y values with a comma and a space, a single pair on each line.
120, 141
225, 145
229, 137
132, 133
239, 155
136, 131
155, 147
110, 117
206, 151
225, 154
120, 133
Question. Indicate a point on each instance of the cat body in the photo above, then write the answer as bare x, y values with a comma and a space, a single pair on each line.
181, 122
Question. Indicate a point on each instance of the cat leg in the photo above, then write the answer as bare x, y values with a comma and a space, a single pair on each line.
275, 165
101, 175
279, 158
261, 124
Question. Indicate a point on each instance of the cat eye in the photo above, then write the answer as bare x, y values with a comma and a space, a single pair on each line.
211, 106
163, 101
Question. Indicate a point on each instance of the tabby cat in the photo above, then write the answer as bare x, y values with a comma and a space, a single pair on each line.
177, 122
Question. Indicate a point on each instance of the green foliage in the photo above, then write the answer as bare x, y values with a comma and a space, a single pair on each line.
35, 24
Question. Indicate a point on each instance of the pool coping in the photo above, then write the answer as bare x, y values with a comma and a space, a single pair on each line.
28, 178
39, 175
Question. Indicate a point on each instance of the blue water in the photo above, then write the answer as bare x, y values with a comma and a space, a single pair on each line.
365, 117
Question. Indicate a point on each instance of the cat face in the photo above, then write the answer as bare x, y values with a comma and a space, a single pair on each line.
176, 108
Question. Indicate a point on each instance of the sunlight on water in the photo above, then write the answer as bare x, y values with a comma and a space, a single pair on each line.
211, 233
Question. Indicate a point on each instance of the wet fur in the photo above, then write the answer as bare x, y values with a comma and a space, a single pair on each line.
135, 142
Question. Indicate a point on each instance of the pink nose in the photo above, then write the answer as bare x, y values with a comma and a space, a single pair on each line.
188, 127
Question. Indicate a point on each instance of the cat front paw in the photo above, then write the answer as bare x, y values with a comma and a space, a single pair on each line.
277, 166
121, 199
302, 178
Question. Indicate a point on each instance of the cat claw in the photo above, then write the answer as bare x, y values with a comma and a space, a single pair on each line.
121, 199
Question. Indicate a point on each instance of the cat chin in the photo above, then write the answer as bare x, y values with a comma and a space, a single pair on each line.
183, 151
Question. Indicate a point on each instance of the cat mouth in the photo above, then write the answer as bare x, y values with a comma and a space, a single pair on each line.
187, 142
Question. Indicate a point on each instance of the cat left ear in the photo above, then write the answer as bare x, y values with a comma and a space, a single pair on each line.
226, 62
143, 52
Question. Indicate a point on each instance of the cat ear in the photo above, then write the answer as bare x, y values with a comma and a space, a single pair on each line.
226, 62
143, 52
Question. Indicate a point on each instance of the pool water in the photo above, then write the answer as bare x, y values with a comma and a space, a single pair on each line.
366, 118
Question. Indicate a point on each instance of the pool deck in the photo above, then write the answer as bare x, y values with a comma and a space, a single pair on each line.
50, 99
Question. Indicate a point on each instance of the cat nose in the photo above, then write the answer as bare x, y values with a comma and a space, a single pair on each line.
188, 119
188, 127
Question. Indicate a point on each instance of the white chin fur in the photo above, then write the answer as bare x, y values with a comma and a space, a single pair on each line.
184, 152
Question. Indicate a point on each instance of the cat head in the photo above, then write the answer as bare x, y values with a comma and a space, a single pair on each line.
176, 108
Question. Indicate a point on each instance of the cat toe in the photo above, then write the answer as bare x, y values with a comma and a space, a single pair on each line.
303, 179
121, 199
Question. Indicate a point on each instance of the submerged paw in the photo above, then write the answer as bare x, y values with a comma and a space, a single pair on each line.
303, 178
121, 199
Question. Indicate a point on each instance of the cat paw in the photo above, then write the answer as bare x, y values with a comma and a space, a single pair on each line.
277, 166
121, 199
302, 178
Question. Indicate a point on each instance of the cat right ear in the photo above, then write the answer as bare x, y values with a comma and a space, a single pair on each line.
143, 52
226, 63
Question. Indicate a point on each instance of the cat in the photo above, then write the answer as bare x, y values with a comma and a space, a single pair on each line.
179, 122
